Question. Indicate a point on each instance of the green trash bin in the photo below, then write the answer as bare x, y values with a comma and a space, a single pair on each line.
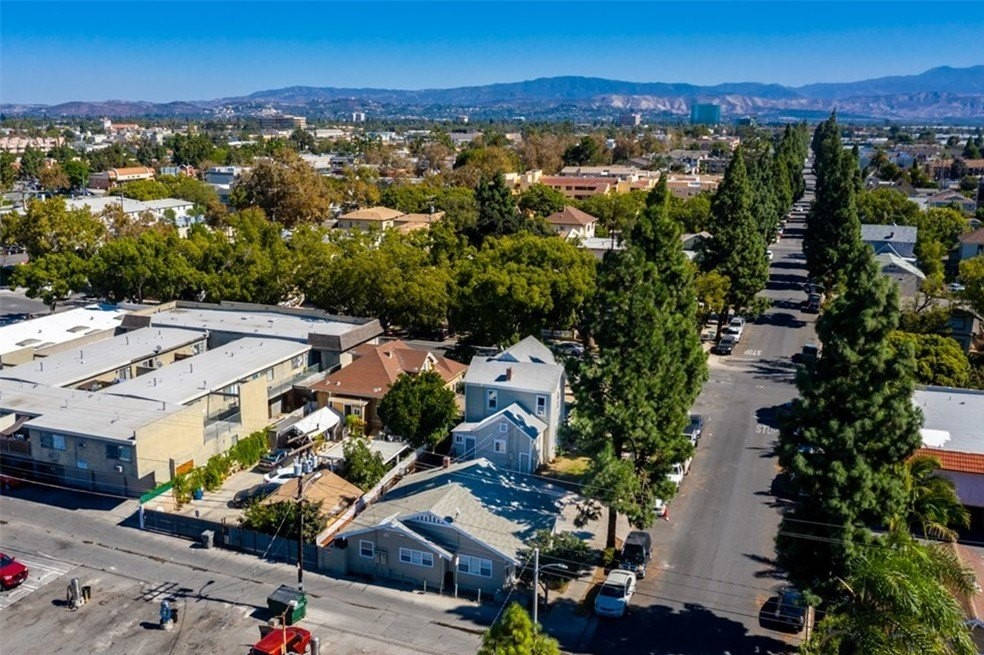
288, 602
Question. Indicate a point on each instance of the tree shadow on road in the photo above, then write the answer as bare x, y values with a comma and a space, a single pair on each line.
781, 319
694, 630
772, 570
774, 370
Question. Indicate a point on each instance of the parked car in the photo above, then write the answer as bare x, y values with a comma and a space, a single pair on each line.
726, 345
790, 609
272, 459
694, 428
812, 304
810, 353
659, 505
771, 255
678, 470
12, 572
280, 641
568, 349
253, 494
280, 476
636, 553
955, 287
616, 592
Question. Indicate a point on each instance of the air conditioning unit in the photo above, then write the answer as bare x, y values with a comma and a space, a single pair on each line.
119, 468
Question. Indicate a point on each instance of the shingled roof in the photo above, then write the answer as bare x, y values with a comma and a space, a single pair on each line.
377, 367
571, 216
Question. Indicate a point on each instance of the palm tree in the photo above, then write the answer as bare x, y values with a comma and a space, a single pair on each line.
899, 599
931, 506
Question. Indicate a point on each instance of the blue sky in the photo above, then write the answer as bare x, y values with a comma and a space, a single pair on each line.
58, 51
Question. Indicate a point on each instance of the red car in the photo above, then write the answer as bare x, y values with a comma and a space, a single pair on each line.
12, 572
281, 641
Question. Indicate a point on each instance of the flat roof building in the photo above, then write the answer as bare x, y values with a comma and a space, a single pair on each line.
20, 341
109, 359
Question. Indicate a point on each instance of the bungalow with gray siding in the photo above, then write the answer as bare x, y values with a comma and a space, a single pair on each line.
466, 525
517, 391
899, 240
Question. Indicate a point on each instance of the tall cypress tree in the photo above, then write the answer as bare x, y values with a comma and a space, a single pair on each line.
737, 248
497, 213
851, 427
634, 393
833, 230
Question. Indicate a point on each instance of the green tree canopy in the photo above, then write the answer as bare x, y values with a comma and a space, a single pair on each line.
940, 360
737, 248
48, 226
972, 276
519, 285
286, 189
420, 408
515, 634
898, 599
363, 467
852, 425
541, 200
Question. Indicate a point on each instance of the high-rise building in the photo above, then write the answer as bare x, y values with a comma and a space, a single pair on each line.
630, 120
705, 114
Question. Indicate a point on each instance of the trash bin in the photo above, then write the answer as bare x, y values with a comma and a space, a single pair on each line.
198, 493
207, 538
280, 604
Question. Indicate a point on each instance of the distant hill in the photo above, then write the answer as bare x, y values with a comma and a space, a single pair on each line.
943, 93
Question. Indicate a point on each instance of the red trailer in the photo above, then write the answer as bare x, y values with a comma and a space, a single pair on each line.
281, 641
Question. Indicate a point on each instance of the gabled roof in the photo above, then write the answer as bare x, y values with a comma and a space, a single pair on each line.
528, 365
571, 216
499, 508
891, 233
530, 425
976, 237
529, 349
886, 258
373, 214
377, 367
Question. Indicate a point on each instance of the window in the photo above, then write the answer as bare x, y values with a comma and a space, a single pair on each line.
269, 374
81, 463
493, 398
459, 439
122, 453
503, 427
475, 566
367, 549
541, 405
500, 445
416, 557
297, 362
53, 441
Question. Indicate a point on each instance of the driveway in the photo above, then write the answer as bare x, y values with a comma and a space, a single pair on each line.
713, 568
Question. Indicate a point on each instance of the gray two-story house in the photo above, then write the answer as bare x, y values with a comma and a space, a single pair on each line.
514, 406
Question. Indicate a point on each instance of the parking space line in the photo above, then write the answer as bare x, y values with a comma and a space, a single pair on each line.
40, 574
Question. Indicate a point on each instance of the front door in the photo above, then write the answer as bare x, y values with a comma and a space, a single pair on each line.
469, 448
524, 462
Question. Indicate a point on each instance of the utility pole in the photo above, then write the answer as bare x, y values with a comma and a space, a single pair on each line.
536, 583
300, 532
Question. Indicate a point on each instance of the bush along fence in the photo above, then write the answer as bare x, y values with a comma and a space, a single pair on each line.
244, 454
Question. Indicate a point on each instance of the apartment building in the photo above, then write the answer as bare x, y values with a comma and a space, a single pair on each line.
176, 384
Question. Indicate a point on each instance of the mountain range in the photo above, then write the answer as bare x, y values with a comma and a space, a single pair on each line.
943, 93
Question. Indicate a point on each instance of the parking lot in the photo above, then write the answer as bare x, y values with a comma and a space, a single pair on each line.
42, 571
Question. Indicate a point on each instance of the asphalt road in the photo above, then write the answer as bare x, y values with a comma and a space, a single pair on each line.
713, 571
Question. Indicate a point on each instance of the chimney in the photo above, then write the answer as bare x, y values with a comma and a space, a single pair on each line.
445, 462
509, 373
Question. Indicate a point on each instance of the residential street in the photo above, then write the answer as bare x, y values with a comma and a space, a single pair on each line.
712, 568
220, 594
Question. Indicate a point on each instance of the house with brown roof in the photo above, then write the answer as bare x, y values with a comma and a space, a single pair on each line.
356, 389
413, 222
571, 222
580, 188
377, 218
952, 198
970, 244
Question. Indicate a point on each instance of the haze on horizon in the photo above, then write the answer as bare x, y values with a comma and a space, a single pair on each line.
52, 52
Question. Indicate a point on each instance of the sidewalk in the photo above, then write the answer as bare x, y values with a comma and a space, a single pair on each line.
568, 617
